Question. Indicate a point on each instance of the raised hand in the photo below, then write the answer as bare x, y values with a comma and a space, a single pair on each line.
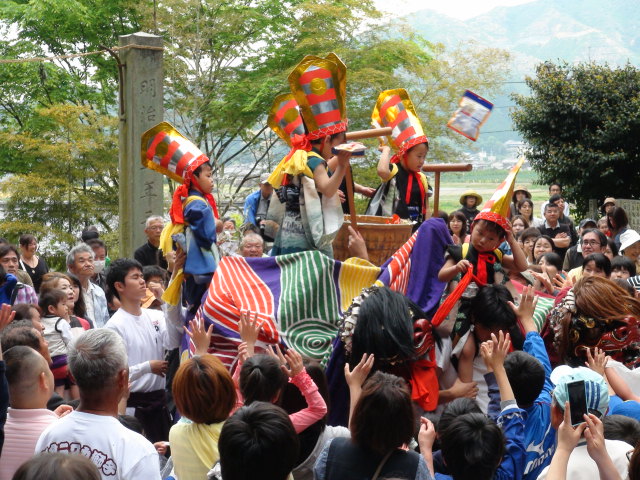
357, 376
200, 337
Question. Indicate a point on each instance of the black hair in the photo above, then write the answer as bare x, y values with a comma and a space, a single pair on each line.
57, 466
293, 401
552, 258
472, 447
455, 408
132, 423
97, 243
20, 365
25, 239
258, 441
417, 145
460, 216
555, 197
23, 311
79, 308
601, 262
89, 233
51, 298
118, 270
491, 226
6, 248
491, 310
623, 283
549, 205
149, 271
612, 246
547, 238
383, 417
556, 184
198, 171
526, 376
529, 233
522, 202
621, 262
261, 379
20, 333
602, 238
621, 427
619, 216
384, 328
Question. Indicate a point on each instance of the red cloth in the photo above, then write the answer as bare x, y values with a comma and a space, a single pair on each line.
424, 382
182, 192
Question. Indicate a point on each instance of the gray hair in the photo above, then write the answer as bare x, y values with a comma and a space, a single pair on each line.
80, 248
96, 357
251, 236
152, 219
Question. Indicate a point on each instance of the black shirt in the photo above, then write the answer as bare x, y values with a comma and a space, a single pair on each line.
553, 232
147, 254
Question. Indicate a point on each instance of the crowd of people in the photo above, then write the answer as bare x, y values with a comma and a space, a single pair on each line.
527, 368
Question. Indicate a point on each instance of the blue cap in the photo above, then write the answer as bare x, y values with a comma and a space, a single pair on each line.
596, 391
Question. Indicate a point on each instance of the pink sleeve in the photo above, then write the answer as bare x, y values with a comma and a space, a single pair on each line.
316, 407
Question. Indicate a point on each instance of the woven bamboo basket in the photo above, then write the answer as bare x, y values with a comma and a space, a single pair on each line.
382, 238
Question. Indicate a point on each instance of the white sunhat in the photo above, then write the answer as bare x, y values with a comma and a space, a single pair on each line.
628, 238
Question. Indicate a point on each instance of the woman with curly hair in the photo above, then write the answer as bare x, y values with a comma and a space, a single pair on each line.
596, 313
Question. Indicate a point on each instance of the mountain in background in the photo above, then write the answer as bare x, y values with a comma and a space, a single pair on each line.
542, 30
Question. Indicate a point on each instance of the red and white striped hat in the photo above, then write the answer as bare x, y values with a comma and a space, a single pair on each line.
284, 117
319, 87
395, 109
166, 150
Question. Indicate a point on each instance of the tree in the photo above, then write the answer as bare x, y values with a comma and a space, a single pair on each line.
73, 181
580, 123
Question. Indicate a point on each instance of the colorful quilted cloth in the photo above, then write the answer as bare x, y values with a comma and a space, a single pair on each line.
301, 296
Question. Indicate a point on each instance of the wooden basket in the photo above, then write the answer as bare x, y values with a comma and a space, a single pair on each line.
382, 239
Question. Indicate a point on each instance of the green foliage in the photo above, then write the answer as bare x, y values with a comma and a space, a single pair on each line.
579, 122
225, 61
73, 179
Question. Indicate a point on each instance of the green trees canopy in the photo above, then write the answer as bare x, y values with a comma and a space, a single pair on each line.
581, 123
225, 61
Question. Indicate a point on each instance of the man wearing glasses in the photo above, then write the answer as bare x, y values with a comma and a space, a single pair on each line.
149, 253
592, 241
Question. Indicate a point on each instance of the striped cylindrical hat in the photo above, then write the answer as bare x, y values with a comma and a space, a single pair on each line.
395, 109
284, 117
319, 87
166, 150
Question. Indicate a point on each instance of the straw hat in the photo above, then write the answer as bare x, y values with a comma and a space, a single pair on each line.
471, 193
521, 188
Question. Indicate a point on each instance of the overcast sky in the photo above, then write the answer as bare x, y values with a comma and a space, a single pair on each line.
460, 9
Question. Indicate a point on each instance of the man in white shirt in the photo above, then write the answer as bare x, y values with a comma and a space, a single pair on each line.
80, 263
147, 336
98, 362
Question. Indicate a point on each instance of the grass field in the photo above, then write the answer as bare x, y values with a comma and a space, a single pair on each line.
485, 182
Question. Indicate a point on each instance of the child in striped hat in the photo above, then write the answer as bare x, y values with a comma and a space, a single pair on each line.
405, 191
193, 209
305, 213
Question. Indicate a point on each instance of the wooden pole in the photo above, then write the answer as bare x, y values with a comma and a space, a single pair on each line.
350, 200
371, 133
438, 168
359, 135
